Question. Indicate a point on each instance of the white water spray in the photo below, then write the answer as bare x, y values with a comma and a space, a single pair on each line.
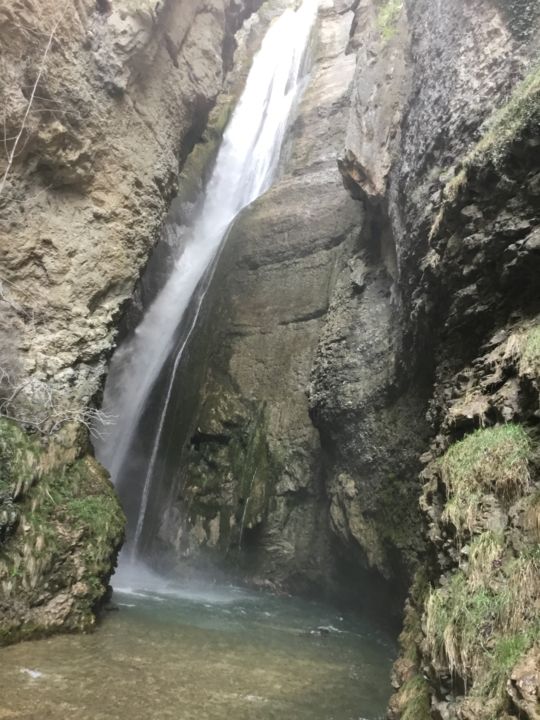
244, 169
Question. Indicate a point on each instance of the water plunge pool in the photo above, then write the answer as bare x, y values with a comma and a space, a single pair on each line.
203, 654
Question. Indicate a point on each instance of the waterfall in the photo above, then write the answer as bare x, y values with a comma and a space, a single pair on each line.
245, 167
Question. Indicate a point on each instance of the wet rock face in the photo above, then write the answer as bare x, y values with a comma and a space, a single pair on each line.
371, 432
466, 58
371, 423
123, 94
272, 290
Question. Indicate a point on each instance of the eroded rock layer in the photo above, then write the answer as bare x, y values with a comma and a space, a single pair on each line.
108, 98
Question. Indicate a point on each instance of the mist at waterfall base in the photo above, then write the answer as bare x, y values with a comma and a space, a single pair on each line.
141, 384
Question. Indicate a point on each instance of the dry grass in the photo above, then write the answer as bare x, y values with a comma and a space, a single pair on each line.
532, 517
506, 125
486, 617
530, 351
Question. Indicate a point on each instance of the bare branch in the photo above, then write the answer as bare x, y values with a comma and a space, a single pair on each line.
44, 407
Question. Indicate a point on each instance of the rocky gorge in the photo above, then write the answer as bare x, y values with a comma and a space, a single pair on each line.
359, 406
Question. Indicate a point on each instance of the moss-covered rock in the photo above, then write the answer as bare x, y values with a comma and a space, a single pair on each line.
412, 702
65, 527
228, 476
199, 165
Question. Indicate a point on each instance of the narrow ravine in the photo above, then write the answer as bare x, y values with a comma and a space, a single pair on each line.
270, 360
206, 650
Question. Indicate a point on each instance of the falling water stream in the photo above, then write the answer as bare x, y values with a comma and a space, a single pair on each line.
245, 167
201, 652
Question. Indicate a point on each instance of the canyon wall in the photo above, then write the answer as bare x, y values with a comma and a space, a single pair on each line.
123, 95
460, 195
103, 102
365, 402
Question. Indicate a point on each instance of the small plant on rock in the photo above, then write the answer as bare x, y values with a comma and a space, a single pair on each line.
387, 18
489, 461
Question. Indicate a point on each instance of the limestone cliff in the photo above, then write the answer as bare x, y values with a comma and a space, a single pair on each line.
102, 103
109, 98
375, 312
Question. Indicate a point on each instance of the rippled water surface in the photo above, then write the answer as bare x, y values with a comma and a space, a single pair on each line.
203, 654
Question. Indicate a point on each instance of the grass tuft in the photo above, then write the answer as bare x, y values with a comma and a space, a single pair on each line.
414, 696
490, 460
530, 351
508, 123
483, 620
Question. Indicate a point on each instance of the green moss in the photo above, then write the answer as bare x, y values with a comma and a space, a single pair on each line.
70, 526
411, 635
96, 515
491, 460
201, 160
229, 472
253, 471
414, 697
387, 18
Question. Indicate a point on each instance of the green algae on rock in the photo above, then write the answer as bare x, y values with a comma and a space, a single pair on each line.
65, 527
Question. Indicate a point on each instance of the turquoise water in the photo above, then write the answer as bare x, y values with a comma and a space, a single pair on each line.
201, 654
